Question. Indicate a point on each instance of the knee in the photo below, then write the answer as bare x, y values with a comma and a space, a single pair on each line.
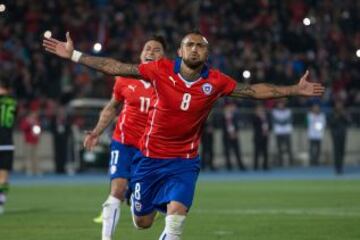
141, 223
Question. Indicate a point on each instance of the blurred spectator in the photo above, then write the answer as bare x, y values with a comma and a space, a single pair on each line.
269, 38
339, 122
282, 125
31, 128
207, 145
230, 127
316, 121
61, 130
261, 124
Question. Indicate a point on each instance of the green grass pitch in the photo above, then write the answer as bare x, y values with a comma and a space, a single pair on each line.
244, 210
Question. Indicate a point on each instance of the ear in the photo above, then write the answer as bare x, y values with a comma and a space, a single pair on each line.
179, 52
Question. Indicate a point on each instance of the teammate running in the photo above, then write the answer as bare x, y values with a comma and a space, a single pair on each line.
136, 98
185, 90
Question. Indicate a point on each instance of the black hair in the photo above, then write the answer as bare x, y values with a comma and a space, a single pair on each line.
160, 39
194, 31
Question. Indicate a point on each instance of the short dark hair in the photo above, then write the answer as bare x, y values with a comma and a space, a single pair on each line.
194, 31
160, 39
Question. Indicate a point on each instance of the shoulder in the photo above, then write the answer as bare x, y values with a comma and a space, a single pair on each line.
163, 63
220, 76
124, 81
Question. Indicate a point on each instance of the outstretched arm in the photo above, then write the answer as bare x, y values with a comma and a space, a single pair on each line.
107, 115
106, 65
265, 90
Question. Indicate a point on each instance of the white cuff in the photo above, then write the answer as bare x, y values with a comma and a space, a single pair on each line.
75, 57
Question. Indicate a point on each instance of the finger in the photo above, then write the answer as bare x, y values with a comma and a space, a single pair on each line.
50, 50
306, 75
49, 43
319, 88
85, 142
319, 92
51, 40
49, 46
68, 38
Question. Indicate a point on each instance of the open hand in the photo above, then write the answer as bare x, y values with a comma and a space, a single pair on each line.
307, 88
62, 49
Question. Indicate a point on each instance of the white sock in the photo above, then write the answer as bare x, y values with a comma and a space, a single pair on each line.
2, 198
110, 215
174, 225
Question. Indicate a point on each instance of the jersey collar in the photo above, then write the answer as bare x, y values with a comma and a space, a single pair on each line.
204, 71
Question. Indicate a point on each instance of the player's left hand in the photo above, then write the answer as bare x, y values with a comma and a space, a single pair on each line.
307, 88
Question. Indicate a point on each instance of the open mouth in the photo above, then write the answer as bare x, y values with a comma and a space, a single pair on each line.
149, 59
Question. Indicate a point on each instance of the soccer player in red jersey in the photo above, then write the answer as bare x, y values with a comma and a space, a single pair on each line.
136, 99
185, 91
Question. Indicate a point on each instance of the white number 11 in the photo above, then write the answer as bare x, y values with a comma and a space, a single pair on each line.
144, 104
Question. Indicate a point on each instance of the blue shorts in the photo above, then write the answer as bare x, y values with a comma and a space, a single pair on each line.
121, 157
156, 182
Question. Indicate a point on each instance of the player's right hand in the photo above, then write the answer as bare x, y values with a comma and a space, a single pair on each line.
62, 49
91, 140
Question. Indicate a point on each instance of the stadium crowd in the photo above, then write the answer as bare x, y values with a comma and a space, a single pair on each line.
268, 38
253, 41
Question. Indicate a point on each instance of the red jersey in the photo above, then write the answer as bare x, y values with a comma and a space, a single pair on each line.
136, 96
180, 109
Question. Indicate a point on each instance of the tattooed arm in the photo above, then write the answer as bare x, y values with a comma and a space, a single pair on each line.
107, 115
105, 65
265, 90
110, 66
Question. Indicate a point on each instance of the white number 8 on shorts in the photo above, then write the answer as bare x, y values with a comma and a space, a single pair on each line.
137, 194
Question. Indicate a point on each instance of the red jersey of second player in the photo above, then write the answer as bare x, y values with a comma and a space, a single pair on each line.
136, 96
180, 109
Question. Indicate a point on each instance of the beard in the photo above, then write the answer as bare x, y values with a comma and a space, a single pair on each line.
193, 64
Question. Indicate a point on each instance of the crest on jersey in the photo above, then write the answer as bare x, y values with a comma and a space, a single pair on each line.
138, 206
207, 88
113, 169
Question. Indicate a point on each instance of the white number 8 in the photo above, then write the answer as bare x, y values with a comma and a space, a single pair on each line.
185, 104
137, 194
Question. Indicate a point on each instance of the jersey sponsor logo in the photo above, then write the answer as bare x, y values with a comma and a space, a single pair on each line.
172, 80
207, 88
132, 87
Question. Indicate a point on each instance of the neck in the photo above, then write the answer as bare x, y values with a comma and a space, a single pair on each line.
189, 73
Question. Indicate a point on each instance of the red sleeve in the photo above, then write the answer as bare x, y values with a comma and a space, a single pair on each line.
150, 70
228, 83
117, 89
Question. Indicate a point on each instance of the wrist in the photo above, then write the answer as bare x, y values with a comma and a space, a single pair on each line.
294, 90
92, 133
75, 56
